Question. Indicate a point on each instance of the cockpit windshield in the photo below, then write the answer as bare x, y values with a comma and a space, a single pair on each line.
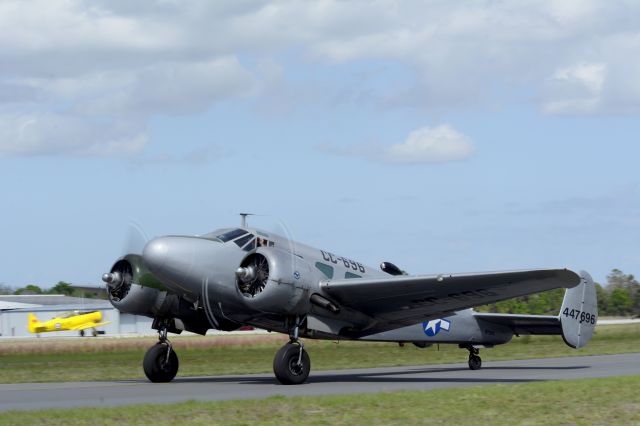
224, 235
231, 235
243, 239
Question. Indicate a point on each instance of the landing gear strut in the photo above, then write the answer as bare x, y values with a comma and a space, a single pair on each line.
291, 365
475, 362
160, 363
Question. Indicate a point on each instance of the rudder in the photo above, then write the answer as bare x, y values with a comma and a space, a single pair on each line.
579, 312
32, 320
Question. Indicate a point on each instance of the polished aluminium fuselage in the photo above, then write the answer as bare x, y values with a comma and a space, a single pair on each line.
202, 270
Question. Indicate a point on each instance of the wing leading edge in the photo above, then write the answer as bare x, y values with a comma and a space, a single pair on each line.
404, 300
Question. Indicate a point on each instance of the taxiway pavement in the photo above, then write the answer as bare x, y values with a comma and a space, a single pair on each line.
30, 396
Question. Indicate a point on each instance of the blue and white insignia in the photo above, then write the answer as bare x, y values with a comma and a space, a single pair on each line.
296, 275
433, 327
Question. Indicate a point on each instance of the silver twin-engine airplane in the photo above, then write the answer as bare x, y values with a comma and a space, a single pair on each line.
242, 276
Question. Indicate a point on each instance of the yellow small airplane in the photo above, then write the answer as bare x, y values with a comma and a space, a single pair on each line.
74, 320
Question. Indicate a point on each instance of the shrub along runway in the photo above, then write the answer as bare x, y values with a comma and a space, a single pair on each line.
28, 396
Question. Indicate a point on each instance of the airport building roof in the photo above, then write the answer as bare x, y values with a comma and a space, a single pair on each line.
57, 301
15, 305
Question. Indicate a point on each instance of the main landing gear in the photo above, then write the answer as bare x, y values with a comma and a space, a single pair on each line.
475, 362
291, 365
94, 332
161, 362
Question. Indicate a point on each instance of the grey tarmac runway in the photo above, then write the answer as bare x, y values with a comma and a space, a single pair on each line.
30, 396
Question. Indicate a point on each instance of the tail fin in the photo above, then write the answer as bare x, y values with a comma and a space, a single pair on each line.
579, 312
32, 320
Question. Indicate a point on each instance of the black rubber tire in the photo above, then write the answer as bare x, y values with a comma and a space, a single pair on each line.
475, 362
285, 365
94, 333
81, 333
155, 364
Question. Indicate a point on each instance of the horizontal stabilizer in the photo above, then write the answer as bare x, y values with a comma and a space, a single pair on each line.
575, 323
524, 324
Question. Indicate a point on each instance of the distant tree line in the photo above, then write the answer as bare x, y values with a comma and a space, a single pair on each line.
619, 297
60, 288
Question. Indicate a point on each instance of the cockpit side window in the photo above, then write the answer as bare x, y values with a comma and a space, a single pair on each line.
250, 246
230, 235
242, 241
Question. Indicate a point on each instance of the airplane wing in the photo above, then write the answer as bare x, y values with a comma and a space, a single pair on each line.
404, 300
524, 324
88, 325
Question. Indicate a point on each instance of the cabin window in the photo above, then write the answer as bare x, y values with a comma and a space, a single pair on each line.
351, 275
325, 269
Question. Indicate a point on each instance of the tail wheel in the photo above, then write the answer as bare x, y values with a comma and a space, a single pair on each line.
475, 362
160, 363
289, 367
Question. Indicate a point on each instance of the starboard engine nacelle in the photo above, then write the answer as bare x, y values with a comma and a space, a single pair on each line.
274, 280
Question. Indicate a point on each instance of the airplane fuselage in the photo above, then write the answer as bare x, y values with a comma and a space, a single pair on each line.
244, 276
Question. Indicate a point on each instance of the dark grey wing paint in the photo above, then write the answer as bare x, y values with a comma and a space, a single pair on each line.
524, 324
404, 300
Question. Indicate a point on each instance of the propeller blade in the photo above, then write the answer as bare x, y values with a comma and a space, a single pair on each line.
136, 239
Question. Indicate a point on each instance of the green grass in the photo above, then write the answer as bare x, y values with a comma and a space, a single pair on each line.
609, 401
112, 359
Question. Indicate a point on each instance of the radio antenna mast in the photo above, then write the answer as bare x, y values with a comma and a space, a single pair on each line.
243, 219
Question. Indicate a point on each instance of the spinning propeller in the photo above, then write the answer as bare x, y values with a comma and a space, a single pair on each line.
119, 279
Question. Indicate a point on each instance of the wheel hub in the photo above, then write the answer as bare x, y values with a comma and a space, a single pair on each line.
295, 367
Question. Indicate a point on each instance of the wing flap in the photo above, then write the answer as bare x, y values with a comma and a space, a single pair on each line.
403, 300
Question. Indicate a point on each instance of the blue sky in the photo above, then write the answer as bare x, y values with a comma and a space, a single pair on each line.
442, 137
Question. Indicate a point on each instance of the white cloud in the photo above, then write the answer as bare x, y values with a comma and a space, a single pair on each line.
104, 60
590, 76
576, 89
169, 88
76, 66
53, 134
428, 145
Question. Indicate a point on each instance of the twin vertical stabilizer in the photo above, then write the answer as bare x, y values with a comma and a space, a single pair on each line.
579, 312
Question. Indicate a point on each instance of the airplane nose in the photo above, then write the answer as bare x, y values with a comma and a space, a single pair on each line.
155, 252
175, 260
169, 258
